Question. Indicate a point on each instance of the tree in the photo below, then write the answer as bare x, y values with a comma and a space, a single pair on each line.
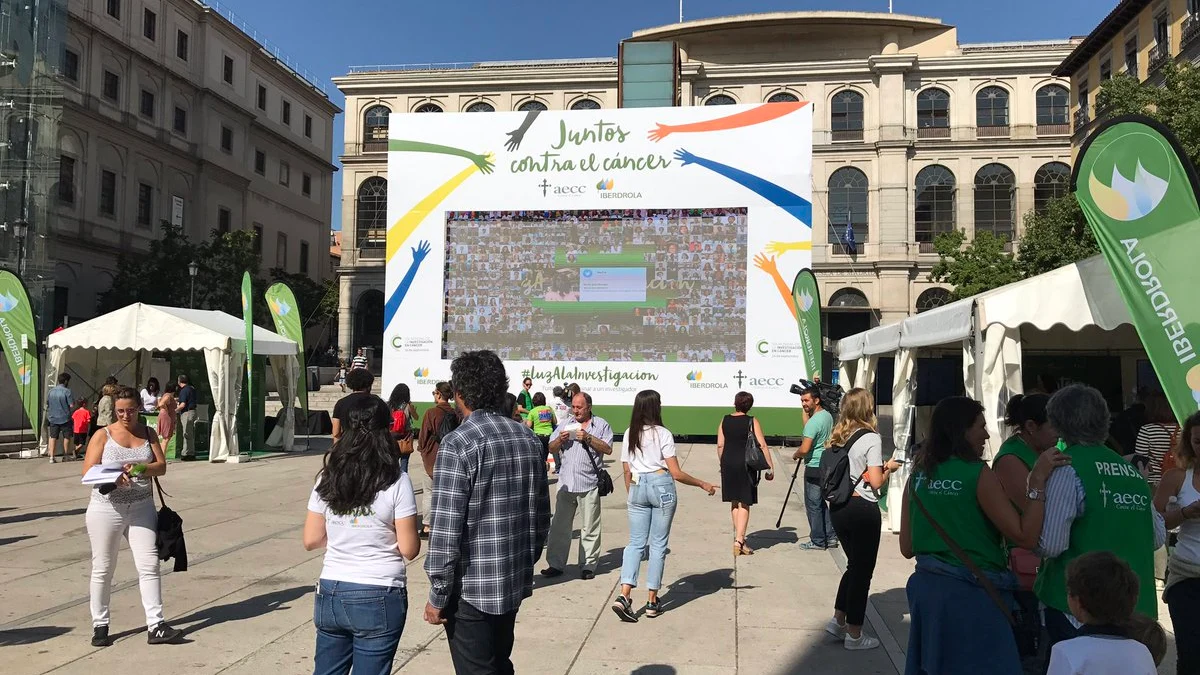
158, 277
976, 267
1175, 102
1055, 236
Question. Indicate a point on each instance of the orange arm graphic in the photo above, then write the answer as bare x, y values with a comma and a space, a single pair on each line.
768, 265
745, 118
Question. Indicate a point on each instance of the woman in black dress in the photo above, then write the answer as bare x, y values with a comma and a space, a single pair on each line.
739, 486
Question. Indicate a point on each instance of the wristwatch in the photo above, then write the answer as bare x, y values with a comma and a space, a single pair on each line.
1035, 494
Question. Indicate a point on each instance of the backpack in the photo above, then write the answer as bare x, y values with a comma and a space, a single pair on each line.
836, 486
447, 426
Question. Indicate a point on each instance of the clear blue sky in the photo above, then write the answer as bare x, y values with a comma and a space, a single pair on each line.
328, 37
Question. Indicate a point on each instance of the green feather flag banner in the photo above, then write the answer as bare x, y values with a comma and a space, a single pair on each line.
19, 341
286, 314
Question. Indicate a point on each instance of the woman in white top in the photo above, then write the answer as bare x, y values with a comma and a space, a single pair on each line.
1178, 500
363, 512
150, 396
648, 456
858, 522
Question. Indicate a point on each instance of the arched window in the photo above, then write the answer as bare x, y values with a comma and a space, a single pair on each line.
994, 192
848, 209
848, 298
933, 113
585, 104
428, 108
846, 115
932, 298
1051, 181
1053, 107
783, 97
370, 231
991, 108
529, 106
480, 106
720, 99
375, 128
934, 189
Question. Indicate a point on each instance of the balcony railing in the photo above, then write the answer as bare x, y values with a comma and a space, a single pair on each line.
1082, 117
1053, 129
925, 247
992, 132
1191, 29
370, 147
372, 243
846, 135
933, 132
1159, 56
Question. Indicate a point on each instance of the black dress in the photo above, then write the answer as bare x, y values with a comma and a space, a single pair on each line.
738, 484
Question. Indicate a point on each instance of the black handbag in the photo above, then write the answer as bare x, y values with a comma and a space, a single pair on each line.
755, 459
604, 481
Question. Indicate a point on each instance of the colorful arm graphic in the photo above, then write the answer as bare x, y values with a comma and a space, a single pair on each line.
517, 135
778, 248
484, 162
402, 229
745, 118
393, 304
768, 265
798, 207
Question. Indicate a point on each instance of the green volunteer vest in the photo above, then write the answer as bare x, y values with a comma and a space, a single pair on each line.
1019, 448
950, 497
1116, 517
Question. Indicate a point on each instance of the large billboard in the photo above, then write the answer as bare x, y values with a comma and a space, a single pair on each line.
651, 248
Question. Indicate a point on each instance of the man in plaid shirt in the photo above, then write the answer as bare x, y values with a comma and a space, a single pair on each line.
489, 520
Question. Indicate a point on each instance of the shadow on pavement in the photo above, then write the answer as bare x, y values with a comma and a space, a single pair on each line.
654, 669
242, 610
696, 586
29, 636
764, 539
13, 540
26, 517
607, 563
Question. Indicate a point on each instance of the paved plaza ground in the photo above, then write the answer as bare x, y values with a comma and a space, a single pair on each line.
246, 601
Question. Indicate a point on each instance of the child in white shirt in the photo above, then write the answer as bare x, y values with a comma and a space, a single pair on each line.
1102, 591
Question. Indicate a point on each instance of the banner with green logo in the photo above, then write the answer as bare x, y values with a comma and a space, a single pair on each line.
808, 316
1138, 191
19, 341
248, 317
286, 314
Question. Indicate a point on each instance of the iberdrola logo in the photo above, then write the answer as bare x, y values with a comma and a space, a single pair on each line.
695, 376
7, 302
25, 373
421, 372
806, 301
280, 307
244, 302
1130, 176
1128, 199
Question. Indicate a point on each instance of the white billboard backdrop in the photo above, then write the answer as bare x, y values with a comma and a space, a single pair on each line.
697, 163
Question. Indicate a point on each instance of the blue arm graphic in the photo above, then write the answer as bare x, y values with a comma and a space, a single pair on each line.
393, 304
799, 207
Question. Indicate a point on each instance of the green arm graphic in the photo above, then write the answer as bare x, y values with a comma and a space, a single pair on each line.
481, 161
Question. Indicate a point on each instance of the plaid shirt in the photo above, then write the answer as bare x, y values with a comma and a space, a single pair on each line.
490, 514
578, 470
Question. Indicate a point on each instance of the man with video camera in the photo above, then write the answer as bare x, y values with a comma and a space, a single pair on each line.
818, 424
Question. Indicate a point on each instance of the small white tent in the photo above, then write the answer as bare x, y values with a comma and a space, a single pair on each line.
988, 328
220, 336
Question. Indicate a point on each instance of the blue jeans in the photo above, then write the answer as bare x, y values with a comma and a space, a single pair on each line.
404, 463
357, 625
651, 506
819, 526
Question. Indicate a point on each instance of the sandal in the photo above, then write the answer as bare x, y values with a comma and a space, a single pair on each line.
740, 548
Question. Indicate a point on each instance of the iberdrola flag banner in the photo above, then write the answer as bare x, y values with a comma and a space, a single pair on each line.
1138, 191
248, 317
19, 342
286, 314
808, 316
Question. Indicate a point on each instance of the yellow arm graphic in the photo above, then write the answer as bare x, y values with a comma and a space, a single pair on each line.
403, 228
781, 247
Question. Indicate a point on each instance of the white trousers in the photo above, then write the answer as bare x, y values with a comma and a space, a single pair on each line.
107, 523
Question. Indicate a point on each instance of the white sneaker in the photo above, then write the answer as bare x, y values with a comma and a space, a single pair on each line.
54, 460
862, 642
837, 630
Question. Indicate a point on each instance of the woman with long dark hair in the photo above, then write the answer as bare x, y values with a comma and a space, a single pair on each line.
150, 394
739, 486
956, 624
404, 421
1178, 500
651, 470
363, 512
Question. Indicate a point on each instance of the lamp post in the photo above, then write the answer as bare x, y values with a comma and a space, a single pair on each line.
21, 232
193, 270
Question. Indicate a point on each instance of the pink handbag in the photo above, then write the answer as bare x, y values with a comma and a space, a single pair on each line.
1024, 564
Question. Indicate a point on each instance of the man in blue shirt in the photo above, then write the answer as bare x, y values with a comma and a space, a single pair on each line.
187, 420
817, 428
60, 402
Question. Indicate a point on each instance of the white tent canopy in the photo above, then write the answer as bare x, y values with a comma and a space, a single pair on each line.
987, 327
220, 336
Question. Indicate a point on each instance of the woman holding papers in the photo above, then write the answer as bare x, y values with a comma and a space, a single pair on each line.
130, 452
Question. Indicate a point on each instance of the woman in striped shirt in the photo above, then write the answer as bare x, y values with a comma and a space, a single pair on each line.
1157, 435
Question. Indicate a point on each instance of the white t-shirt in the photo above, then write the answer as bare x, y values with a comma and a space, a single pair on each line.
562, 412
1101, 655
362, 547
866, 451
657, 444
149, 401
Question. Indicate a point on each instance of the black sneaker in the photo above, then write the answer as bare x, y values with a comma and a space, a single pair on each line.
624, 609
587, 575
100, 636
163, 634
551, 572
652, 609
